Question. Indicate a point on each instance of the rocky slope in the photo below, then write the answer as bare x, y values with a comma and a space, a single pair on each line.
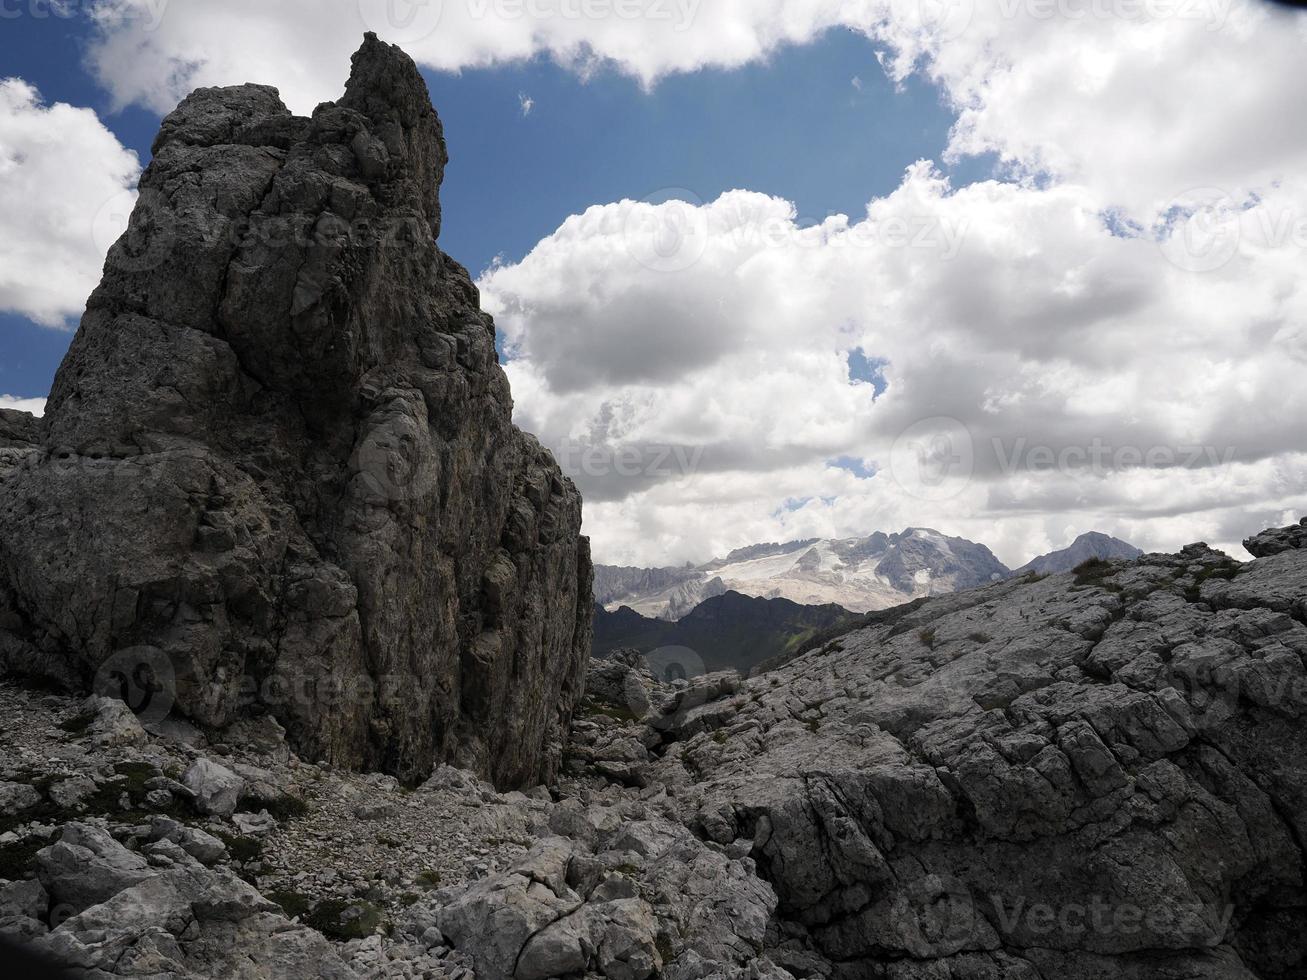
277, 471
1091, 545
860, 574
132, 853
1094, 776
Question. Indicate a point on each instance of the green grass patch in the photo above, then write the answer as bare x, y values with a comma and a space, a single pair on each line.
18, 858
77, 724
130, 782
621, 713
1227, 572
1092, 574
286, 807
927, 637
343, 920
241, 848
666, 951
428, 880
294, 904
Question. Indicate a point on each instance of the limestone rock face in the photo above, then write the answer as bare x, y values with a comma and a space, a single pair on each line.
1096, 774
278, 471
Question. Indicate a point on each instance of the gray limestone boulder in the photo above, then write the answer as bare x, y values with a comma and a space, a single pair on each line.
86, 866
216, 788
1277, 540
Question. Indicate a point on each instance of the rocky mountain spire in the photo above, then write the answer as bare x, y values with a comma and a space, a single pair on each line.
278, 470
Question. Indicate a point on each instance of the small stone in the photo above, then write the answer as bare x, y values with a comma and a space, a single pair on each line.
158, 799
256, 824
217, 789
17, 797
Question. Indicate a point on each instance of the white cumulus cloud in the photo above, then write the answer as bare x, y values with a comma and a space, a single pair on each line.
61, 173
690, 364
34, 405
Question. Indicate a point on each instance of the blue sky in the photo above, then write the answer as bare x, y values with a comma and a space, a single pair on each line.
795, 125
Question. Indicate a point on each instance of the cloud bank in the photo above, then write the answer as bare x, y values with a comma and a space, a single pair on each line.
1109, 335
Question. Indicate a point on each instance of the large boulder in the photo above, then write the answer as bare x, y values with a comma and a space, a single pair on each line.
216, 788
278, 471
1277, 540
86, 867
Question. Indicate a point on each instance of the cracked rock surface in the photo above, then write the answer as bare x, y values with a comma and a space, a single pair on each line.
1092, 775
1097, 774
277, 470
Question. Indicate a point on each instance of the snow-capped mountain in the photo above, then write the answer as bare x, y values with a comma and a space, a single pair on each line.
860, 574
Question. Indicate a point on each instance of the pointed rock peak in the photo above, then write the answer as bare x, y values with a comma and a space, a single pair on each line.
386, 87
384, 82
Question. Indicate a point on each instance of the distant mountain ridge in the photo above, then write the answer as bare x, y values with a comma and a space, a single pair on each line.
728, 631
859, 574
1091, 545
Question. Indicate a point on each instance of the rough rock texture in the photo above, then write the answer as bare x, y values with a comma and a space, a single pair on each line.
356, 877
1097, 774
1277, 540
278, 469
1092, 776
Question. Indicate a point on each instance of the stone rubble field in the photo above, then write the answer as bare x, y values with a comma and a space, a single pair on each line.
1097, 774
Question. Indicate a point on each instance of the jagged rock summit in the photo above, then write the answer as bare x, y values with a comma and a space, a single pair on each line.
278, 471
1093, 544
